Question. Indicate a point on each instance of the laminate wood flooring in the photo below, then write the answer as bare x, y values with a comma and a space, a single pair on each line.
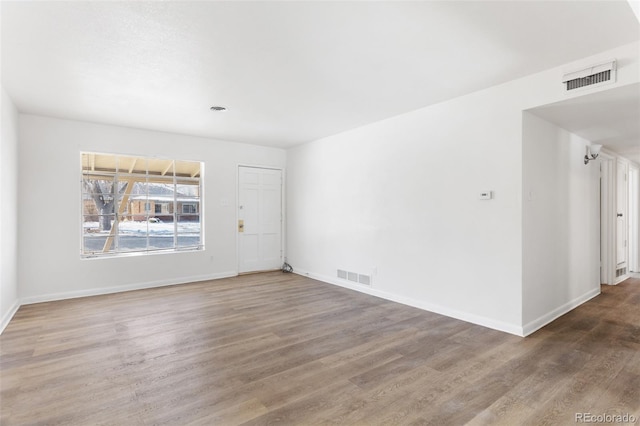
278, 348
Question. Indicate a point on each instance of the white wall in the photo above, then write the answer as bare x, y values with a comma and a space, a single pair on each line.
561, 223
49, 263
8, 209
399, 199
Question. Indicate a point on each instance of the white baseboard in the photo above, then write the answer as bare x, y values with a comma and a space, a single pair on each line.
621, 278
9, 315
129, 287
545, 319
464, 316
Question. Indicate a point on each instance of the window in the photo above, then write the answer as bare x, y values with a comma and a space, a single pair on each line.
137, 204
189, 208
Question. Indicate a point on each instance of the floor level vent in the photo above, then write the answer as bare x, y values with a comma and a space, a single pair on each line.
620, 272
595, 75
364, 279
354, 277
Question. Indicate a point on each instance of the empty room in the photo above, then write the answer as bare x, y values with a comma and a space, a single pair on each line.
320, 212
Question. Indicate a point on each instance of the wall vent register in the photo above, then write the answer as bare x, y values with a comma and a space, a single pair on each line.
600, 74
354, 277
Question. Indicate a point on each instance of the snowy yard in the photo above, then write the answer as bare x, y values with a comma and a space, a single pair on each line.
142, 236
141, 228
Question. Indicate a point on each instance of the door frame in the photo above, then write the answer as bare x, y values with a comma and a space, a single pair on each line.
633, 202
622, 165
607, 218
283, 211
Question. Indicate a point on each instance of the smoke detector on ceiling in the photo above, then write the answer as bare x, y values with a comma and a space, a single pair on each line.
596, 75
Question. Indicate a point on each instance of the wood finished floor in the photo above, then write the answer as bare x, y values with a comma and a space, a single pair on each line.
282, 349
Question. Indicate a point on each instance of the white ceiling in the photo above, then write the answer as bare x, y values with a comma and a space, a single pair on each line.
289, 72
610, 118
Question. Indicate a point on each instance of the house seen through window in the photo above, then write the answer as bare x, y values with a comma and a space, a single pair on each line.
136, 204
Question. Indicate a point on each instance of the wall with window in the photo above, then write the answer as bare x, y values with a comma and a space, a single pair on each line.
8, 209
50, 264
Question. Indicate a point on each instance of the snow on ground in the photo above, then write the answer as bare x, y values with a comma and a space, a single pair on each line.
136, 228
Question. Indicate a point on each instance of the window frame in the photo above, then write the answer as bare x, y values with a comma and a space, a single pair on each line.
190, 205
123, 203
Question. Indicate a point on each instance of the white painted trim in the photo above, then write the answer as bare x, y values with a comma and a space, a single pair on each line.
622, 165
9, 315
634, 217
607, 219
283, 212
622, 278
464, 316
559, 311
257, 166
129, 287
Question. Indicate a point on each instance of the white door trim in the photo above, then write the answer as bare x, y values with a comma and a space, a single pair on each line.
622, 207
607, 219
634, 217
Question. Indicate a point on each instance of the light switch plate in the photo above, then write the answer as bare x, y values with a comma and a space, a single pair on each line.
486, 195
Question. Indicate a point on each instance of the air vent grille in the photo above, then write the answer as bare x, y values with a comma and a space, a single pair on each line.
589, 80
620, 272
595, 75
354, 277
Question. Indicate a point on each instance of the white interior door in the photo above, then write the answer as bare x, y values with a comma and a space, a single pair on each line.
634, 219
259, 219
621, 214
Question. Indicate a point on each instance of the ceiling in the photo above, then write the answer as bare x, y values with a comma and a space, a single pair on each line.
288, 72
610, 118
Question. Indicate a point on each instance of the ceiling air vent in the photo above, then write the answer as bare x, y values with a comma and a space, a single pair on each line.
600, 74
